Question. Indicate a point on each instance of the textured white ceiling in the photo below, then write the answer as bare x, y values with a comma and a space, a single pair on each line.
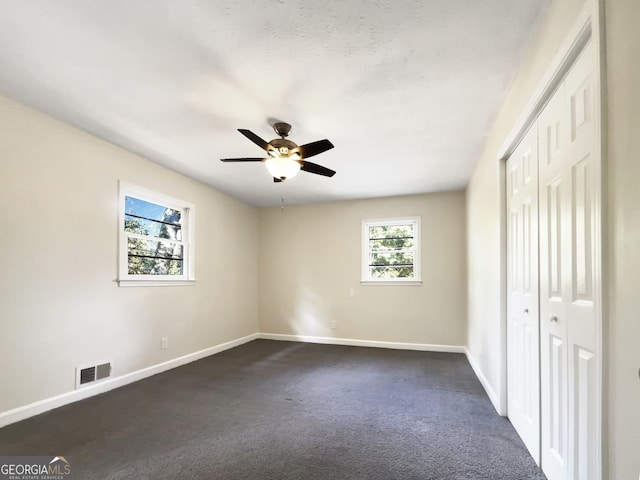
405, 90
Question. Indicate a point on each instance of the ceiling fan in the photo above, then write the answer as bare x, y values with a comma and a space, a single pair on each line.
285, 157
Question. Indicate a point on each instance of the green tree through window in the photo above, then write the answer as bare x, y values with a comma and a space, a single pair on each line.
155, 238
153, 243
391, 249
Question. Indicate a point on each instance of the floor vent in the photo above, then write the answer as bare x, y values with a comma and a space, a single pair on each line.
92, 373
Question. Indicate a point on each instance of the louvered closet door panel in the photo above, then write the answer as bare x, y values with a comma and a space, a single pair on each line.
554, 261
581, 314
522, 301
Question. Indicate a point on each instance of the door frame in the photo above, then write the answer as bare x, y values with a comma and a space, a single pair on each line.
589, 26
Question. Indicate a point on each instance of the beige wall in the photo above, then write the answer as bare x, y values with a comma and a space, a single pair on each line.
310, 258
622, 257
623, 77
59, 304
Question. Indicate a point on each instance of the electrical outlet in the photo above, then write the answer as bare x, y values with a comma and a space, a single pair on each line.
352, 293
334, 324
164, 343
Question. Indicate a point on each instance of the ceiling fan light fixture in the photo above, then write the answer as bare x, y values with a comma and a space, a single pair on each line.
282, 168
285, 158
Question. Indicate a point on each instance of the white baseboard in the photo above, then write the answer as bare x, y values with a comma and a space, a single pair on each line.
41, 406
495, 399
425, 347
36, 408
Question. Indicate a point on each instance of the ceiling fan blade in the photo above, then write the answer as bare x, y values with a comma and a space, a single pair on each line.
242, 159
314, 148
254, 138
317, 169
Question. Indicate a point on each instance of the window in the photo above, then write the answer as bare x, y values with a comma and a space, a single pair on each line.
155, 238
391, 251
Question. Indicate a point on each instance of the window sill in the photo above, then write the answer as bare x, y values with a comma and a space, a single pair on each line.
155, 283
392, 282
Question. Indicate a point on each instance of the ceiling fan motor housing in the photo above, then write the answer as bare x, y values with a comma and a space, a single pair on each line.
281, 147
285, 157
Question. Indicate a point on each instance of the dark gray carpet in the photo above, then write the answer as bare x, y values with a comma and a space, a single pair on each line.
280, 410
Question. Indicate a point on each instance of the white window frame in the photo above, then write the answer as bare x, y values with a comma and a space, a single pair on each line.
187, 223
366, 278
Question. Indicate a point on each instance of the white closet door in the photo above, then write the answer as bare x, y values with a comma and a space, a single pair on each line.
581, 315
554, 261
522, 301
569, 354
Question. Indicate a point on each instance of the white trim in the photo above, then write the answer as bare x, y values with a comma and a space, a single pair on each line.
589, 26
188, 240
425, 347
600, 249
502, 397
41, 406
566, 56
158, 283
496, 400
365, 273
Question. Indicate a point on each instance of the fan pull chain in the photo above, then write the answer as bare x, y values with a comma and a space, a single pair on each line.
282, 208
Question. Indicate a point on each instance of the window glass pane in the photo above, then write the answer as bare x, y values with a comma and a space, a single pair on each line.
392, 258
152, 211
152, 228
139, 266
390, 231
148, 257
392, 272
151, 219
391, 243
